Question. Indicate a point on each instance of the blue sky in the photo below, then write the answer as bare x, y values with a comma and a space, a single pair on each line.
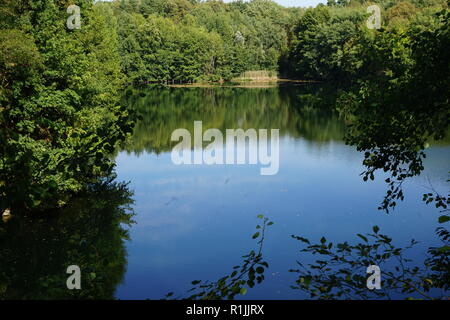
297, 3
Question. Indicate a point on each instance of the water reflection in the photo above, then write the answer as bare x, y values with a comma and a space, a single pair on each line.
193, 221
297, 111
91, 232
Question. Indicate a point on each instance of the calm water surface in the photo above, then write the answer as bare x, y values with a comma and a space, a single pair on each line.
195, 222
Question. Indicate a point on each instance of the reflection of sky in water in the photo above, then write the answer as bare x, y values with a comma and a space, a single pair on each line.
195, 222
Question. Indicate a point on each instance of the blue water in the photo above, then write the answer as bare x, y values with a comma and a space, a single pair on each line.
195, 222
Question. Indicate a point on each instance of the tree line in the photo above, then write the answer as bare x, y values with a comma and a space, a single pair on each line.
181, 41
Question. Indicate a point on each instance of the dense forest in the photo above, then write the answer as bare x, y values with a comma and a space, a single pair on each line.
181, 41
184, 41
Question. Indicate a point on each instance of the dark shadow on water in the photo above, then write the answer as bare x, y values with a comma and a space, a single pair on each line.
90, 233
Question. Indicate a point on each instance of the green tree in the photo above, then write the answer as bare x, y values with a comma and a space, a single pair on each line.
60, 117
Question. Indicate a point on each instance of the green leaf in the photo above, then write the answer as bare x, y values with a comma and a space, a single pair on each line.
444, 219
362, 237
243, 291
256, 235
302, 239
376, 229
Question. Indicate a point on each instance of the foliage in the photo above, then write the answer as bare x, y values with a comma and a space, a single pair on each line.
333, 43
183, 42
402, 104
59, 89
340, 273
244, 276
395, 101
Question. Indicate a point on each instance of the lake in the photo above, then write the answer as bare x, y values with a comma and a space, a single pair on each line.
195, 222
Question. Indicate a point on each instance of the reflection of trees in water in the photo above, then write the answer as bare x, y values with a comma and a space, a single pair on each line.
394, 143
35, 252
297, 111
307, 112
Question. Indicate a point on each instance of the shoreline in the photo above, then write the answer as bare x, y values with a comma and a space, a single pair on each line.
244, 84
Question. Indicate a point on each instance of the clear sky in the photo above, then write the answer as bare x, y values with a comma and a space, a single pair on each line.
297, 3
